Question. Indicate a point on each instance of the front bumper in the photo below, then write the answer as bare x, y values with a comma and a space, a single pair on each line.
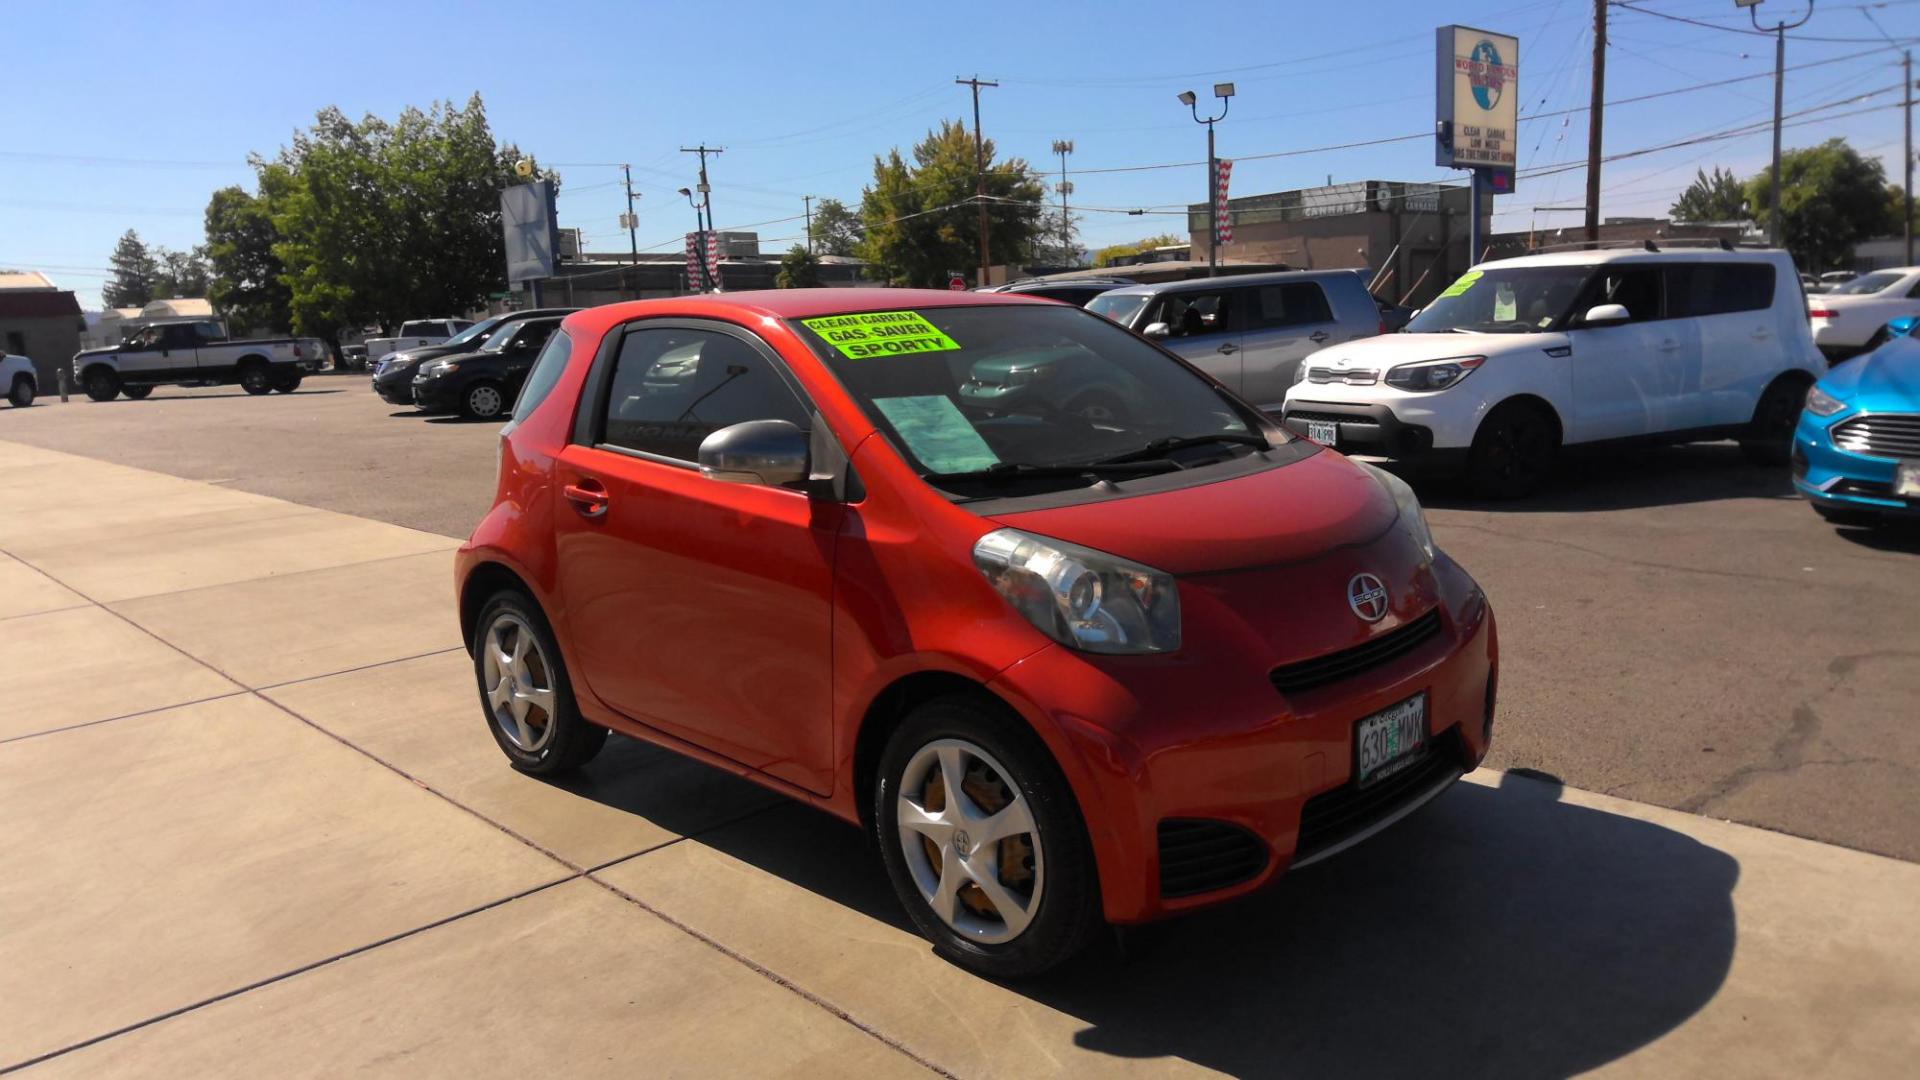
1836, 479
1155, 765
1370, 429
435, 395
394, 391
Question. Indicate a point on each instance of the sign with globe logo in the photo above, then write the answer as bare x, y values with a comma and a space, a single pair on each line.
1477, 98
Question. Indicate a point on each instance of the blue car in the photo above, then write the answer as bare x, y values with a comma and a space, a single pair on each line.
1856, 451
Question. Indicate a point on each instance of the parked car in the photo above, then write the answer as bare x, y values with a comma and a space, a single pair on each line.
415, 333
1832, 280
1076, 291
1852, 318
195, 352
1856, 452
1065, 673
1250, 331
18, 376
353, 358
393, 374
1520, 357
482, 384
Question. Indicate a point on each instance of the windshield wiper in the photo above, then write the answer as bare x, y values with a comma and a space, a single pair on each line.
1012, 470
1155, 449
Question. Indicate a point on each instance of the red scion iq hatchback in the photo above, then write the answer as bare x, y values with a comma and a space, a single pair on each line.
1079, 635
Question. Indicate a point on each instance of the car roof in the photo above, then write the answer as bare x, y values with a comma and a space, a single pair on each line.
1275, 277
1638, 255
750, 306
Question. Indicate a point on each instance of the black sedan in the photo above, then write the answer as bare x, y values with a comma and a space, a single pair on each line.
482, 385
393, 374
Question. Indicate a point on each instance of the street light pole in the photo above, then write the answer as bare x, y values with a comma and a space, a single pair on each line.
1779, 32
1223, 91
1906, 158
699, 241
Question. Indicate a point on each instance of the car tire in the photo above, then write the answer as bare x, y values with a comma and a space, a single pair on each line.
20, 394
1044, 874
256, 378
1857, 518
484, 400
532, 714
135, 393
1513, 451
287, 384
103, 384
1769, 436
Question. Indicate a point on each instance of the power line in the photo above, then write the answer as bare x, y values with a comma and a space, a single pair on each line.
1623, 4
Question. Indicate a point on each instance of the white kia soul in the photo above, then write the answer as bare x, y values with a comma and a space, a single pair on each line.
1520, 357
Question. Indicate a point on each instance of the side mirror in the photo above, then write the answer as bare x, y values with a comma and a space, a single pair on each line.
771, 453
1606, 314
1903, 326
1157, 330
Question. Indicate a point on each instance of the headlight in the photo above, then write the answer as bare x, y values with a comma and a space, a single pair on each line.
1412, 518
1821, 403
1082, 598
1433, 374
435, 368
1300, 373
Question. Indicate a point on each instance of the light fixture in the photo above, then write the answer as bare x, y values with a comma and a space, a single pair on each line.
1223, 89
686, 192
1187, 98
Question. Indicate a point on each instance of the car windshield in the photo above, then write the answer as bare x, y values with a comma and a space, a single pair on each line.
1868, 283
500, 336
477, 330
1509, 300
1122, 308
982, 395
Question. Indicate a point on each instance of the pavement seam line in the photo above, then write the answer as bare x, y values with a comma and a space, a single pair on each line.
362, 667
285, 975
279, 577
777, 979
123, 716
50, 611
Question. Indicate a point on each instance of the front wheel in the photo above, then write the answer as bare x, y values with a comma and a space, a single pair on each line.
525, 691
984, 842
483, 401
1769, 436
135, 393
21, 392
1512, 452
102, 384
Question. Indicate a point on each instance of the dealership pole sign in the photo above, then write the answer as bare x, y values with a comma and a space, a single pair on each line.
1477, 98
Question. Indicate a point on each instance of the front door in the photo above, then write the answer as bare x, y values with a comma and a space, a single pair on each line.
1284, 325
1625, 375
695, 606
1204, 328
158, 354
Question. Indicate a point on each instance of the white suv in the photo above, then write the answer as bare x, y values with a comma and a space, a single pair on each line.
1520, 357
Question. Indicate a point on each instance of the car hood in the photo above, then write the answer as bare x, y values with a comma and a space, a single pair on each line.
1886, 379
1386, 350
105, 350
1284, 514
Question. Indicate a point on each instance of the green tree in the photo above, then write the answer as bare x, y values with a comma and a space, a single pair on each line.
180, 274
922, 220
1830, 198
799, 269
246, 283
1106, 255
1716, 197
1897, 209
836, 229
134, 269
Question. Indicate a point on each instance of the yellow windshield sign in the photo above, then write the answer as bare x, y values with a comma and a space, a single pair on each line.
1462, 285
881, 333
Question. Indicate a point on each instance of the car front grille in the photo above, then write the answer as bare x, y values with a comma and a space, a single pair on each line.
1333, 817
1351, 377
1369, 654
1894, 435
1199, 856
1304, 415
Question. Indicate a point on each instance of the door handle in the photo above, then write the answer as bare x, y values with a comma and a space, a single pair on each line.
1318, 336
1669, 346
1762, 334
1229, 348
589, 499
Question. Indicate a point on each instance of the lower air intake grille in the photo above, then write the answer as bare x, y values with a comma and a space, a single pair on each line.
1200, 856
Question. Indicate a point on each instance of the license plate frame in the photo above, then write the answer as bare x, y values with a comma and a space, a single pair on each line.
1324, 431
1402, 735
1906, 479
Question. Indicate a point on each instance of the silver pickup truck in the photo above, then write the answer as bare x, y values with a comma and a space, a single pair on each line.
195, 352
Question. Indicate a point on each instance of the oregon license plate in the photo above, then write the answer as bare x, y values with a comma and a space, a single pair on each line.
1323, 431
1390, 739
1906, 479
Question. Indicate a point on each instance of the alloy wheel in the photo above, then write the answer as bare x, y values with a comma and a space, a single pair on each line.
519, 683
970, 841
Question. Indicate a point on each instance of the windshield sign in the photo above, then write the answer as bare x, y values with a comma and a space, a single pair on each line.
1512, 300
980, 397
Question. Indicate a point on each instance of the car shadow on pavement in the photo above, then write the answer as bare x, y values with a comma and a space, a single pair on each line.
208, 397
1626, 479
1500, 932
1895, 536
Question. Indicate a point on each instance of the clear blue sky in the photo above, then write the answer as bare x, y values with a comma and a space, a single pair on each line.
123, 117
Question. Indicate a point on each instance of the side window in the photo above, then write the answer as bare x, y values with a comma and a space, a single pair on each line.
1194, 314
1297, 304
546, 372
1718, 288
179, 336
673, 386
1636, 288
1914, 293
532, 336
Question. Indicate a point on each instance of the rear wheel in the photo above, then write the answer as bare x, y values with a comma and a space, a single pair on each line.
983, 840
255, 378
1513, 451
483, 401
525, 691
21, 392
102, 383
1769, 436
288, 383
135, 393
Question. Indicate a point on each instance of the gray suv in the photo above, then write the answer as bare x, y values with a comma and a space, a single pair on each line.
1249, 331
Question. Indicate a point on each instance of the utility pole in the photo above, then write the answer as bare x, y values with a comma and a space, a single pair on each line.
633, 230
979, 168
807, 201
1779, 32
1063, 147
1906, 158
705, 189
1594, 118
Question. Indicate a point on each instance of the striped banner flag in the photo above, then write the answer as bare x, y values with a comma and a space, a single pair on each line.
693, 262
1225, 231
713, 257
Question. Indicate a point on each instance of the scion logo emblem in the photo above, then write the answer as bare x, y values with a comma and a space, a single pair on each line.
1367, 596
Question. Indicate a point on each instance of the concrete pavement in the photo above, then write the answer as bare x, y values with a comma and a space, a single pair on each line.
255, 827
